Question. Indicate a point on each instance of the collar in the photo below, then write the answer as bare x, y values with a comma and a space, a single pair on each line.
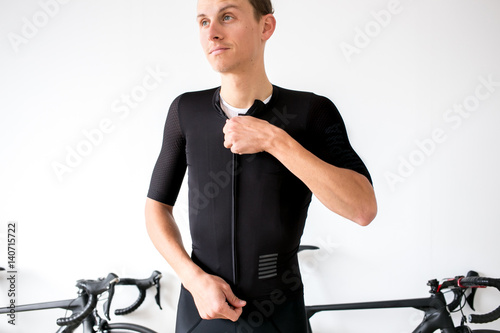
257, 107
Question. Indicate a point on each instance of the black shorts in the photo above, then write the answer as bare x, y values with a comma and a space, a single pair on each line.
258, 317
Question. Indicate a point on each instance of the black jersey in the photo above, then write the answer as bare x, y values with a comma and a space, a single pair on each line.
247, 212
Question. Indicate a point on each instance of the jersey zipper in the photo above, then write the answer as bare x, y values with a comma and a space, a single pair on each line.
234, 189
234, 216
234, 212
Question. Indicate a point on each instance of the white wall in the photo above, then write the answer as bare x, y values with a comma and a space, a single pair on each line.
398, 82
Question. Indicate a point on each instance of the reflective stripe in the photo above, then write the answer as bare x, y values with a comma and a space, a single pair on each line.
268, 266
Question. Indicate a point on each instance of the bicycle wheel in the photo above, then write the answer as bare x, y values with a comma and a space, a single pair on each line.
128, 328
485, 331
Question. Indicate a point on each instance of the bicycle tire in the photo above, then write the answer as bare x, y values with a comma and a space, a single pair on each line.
485, 331
128, 328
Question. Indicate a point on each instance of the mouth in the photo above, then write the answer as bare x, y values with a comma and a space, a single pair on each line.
218, 50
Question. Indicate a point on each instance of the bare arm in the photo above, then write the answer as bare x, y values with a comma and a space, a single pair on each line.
213, 296
343, 191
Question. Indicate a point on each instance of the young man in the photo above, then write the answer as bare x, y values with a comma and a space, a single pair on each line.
250, 181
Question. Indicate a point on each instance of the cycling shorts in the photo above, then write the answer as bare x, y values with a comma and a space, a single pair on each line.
266, 316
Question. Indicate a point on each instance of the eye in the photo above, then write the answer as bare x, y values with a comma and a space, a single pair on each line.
227, 18
203, 23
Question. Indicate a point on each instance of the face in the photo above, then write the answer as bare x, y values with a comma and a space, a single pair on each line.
230, 36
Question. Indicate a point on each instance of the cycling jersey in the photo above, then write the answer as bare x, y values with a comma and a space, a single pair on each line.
247, 212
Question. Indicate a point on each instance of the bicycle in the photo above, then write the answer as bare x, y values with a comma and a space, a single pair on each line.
84, 310
437, 312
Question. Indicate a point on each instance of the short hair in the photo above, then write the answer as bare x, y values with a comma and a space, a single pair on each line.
261, 8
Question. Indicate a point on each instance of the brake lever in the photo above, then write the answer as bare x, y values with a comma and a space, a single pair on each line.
157, 296
470, 298
107, 304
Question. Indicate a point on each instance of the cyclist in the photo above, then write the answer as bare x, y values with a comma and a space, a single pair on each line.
250, 179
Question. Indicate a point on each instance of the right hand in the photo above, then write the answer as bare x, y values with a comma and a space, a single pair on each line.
214, 298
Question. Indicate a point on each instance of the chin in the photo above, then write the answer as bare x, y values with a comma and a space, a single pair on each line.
223, 65
223, 68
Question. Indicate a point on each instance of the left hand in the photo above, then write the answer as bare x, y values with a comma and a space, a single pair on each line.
247, 135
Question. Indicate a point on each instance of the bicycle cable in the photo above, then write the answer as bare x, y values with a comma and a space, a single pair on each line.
68, 307
461, 306
462, 303
463, 320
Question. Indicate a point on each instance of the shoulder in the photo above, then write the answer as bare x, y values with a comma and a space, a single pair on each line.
314, 100
201, 93
191, 101
289, 93
315, 108
198, 96
320, 112
188, 105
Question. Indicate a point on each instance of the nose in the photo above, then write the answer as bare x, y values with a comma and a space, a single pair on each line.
215, 32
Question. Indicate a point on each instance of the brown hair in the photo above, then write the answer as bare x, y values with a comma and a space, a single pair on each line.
261, 8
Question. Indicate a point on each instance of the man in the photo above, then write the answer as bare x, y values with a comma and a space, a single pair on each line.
250, 180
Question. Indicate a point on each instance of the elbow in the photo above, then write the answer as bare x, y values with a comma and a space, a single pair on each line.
362, 212
366, 214
364, 203
365, 219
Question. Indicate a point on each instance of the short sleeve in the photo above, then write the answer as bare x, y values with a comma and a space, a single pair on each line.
328, 137
170, 167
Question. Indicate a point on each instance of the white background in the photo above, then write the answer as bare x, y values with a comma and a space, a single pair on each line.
438, 202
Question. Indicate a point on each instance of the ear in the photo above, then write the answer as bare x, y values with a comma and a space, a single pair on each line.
268, 26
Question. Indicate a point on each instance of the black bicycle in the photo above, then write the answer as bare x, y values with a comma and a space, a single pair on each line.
437, 312
83, 308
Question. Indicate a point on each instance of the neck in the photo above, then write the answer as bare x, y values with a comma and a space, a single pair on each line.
242, 89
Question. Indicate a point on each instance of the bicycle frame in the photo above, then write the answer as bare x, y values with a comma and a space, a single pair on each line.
83, 308
74, 305
436, 313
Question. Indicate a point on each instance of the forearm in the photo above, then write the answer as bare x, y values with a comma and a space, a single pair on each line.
166, 237
343, 191
212, 295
